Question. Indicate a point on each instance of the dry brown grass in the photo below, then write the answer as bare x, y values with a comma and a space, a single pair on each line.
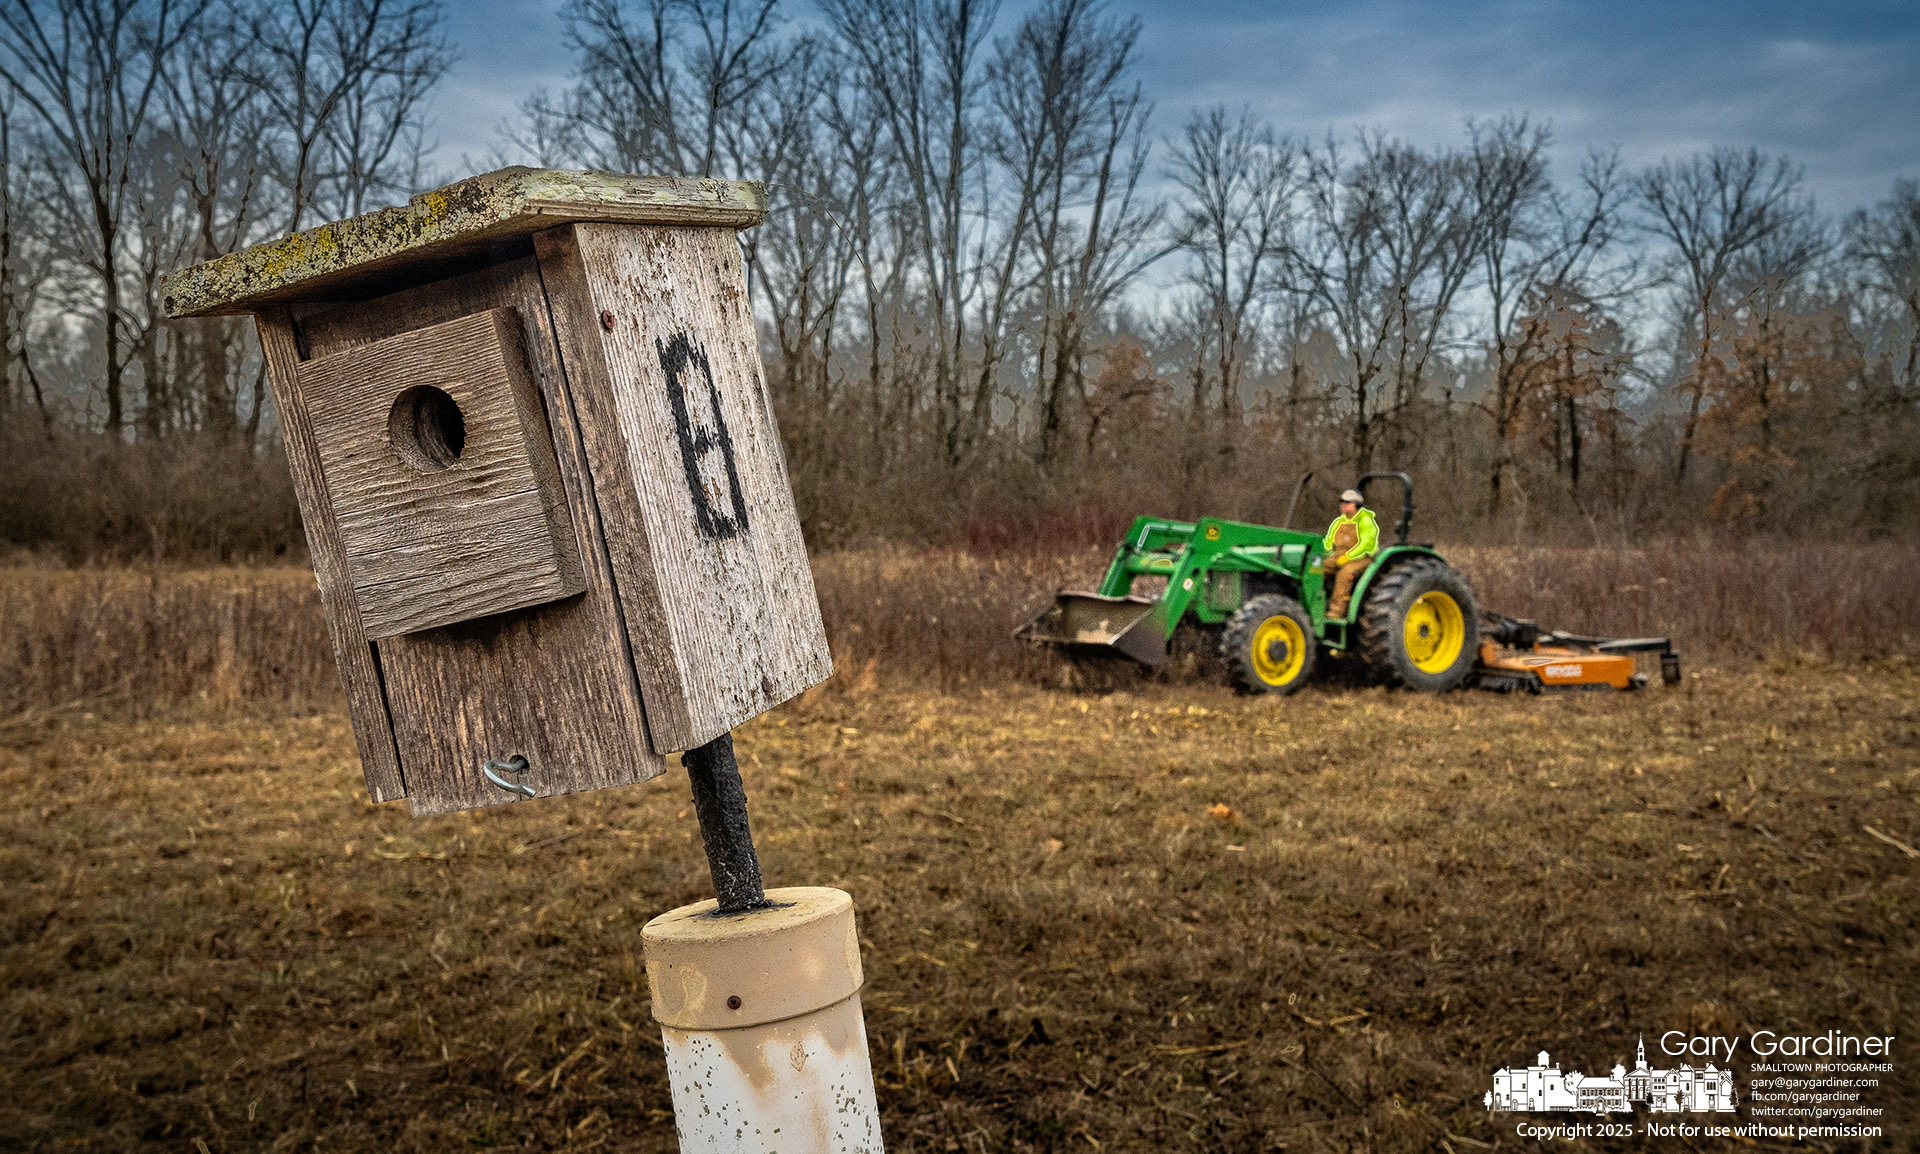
942, 618
188, 499
209, 936
136, 639
1721, 600
948, 618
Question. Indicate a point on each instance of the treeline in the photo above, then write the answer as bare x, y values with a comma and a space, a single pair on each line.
998, 298
138, 136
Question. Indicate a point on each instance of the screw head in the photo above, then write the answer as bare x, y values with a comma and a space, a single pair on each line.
733, 1003
606, 319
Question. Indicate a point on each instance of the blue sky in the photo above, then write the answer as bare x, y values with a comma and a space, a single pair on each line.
1836, 86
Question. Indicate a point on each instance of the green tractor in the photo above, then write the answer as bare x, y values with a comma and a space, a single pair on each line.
1412, 617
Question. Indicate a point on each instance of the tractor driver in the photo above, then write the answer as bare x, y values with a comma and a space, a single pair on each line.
1351, 541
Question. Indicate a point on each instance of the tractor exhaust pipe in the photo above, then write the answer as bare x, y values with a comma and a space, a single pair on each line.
1295, 503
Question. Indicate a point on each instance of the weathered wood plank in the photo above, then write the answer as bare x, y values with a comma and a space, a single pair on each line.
342, 259
663, 360
553, 683
442, 475
352, 651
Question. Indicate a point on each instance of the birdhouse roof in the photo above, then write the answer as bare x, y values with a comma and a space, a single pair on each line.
445, 229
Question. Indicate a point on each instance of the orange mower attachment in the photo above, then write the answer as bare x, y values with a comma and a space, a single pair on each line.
1519, 656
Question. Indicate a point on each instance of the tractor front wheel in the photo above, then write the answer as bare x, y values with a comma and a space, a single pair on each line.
1269, 645
1419, 626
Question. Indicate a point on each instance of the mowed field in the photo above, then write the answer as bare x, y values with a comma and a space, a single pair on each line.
1161, 919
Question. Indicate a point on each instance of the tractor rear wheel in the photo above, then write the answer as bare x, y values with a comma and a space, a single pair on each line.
1419, 626
1269, 645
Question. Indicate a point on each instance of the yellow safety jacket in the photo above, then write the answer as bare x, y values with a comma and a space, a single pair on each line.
1362, 531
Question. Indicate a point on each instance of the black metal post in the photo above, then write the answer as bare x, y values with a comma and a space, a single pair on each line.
720, 801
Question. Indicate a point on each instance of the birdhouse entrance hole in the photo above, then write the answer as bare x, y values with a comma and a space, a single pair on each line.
427, 428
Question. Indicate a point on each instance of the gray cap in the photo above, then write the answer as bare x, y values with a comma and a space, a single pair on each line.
1354, 496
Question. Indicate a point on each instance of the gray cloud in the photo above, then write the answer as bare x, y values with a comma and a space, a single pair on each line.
1831, 85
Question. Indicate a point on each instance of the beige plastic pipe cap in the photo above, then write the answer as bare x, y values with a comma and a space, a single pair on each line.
713, 971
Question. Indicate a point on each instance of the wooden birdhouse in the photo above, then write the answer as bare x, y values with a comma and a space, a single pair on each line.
542, 486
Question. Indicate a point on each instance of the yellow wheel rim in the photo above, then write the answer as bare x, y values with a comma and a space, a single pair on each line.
1279, 650
1435, 632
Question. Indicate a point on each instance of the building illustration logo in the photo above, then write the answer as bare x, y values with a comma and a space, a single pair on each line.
1542, 1087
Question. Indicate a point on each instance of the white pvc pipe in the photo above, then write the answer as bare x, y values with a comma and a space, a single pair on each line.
765, 1042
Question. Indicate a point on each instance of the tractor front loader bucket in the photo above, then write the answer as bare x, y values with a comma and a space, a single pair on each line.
1089, 622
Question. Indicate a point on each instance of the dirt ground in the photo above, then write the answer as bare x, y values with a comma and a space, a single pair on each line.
1164, 919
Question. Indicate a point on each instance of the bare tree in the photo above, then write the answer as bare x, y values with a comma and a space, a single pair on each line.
1711, 209
1114, 245
1571, 359
1767, 278
1884, 242
1510, 189
214, 132
160, 122
666, 85
345, 81
803, 257
1071, 139
1386, 244
918, 63
1539, 249
1234, 219
158, 241
1431, 237
26, 260
12, 336
373, 147
90, 71
879, 230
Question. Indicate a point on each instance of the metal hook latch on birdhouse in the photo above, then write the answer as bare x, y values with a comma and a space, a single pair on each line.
517, 766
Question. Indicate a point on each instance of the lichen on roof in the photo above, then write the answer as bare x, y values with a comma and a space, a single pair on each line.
445, 224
